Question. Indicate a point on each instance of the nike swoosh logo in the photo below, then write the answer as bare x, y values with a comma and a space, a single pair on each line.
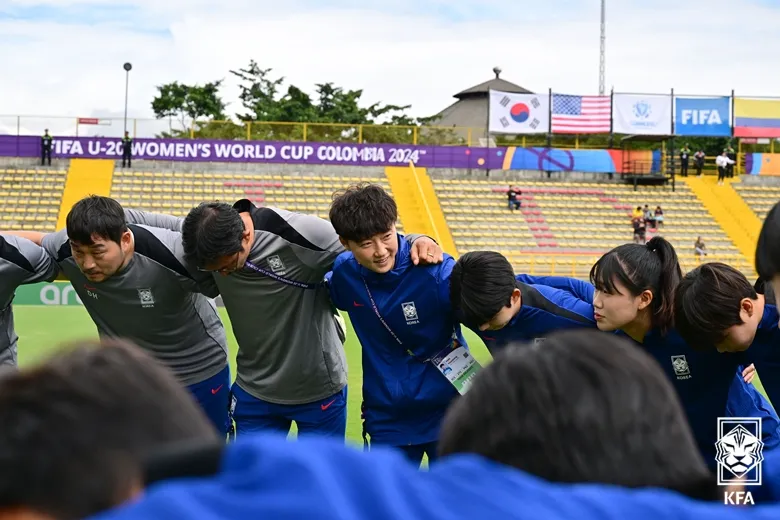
356, 304
326, 406
217, 389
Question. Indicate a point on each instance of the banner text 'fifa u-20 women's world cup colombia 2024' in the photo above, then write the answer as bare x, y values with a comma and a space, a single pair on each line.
202, 150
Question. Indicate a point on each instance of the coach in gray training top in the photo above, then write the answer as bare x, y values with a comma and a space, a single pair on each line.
135, 283
21, 262
270, 266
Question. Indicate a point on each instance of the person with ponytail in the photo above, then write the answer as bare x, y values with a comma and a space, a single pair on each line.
632, 293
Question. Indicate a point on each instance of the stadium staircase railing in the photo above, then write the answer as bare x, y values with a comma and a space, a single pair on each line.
418, 205
729, 210
85, 177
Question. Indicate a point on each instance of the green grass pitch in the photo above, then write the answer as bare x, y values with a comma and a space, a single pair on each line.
44, 328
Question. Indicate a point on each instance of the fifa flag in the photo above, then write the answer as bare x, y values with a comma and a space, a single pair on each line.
636, 114
510, 113
756, 117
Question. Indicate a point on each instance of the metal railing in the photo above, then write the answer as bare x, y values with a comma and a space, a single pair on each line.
284, 131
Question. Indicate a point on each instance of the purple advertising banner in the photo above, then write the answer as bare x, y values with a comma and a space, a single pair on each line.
202, 150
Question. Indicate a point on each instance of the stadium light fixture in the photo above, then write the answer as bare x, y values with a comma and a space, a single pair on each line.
128, 67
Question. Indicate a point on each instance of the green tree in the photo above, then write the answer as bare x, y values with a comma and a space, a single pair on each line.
188, 103
333, 113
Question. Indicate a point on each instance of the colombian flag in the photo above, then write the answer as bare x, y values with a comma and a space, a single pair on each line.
756, 117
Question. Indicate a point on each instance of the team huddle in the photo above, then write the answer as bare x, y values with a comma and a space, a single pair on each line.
283, 276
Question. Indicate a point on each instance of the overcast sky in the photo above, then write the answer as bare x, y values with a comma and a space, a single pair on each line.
64, 57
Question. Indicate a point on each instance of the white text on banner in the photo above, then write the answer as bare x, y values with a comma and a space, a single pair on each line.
642, 115
511, 113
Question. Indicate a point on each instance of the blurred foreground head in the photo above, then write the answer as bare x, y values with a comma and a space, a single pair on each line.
75, 431
583, 406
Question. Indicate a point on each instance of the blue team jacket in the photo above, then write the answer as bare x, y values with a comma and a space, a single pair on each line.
404, 397
544, 310
764, 352
264, 476
709, 384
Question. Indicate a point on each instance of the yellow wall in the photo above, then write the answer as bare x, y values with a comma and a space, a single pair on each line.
729, 210
85, 177
418, 205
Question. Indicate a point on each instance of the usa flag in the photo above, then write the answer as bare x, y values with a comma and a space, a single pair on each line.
581, 114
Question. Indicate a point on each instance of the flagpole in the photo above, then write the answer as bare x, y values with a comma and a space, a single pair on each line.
487, 135
671, 124
549, 117
612, 117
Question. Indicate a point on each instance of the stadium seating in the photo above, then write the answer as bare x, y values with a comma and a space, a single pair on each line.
31, 198
563, 227
177, 193
759, 198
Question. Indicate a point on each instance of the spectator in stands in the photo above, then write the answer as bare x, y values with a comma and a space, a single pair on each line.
699, 247
512, 201
698, 161
731, 154
75, 432
46, 147
127, 150
639, 230
585, 407
685, 155
649, 216
723, 162
637, 212
659, 216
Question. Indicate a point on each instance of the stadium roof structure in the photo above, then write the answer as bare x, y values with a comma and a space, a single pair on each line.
471, 108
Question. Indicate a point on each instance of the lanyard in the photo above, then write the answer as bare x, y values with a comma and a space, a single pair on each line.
282, 279
382, 320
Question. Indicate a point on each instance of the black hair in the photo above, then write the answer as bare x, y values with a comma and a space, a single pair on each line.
768, 246
362, 211
96, 216
481, 284
640, 267
75, 432
763, 286
707, 303
211, 230
582, 407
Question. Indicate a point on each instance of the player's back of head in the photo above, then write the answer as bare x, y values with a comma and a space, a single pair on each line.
709, 308
75, 431
583, 406
481, 284
211, 231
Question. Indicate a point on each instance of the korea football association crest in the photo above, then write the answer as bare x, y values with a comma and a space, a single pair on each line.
276, 264
146, 297
681, 368
739, 454
410, 313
